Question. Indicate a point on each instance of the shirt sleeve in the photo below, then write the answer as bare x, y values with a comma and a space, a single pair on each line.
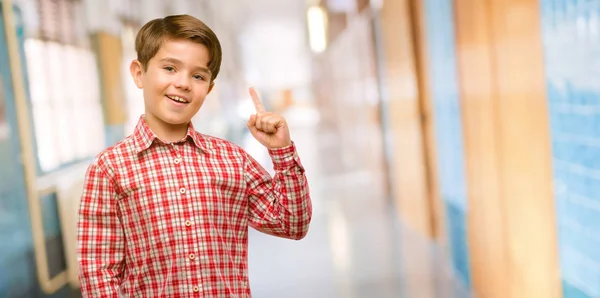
279, 205
100, 237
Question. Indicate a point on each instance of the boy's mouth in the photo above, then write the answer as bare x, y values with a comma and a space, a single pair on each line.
177, 99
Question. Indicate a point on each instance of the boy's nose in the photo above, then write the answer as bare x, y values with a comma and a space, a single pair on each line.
182, 83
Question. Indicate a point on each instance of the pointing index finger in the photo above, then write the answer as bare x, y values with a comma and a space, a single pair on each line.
258, 105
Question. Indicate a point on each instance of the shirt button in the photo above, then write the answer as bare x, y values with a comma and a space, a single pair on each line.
177, 161
188, 223
192, 256
196, 289
182, 190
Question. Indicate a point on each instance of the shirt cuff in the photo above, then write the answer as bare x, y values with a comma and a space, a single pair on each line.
285, 157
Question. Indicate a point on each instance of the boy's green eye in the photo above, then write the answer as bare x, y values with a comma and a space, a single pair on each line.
198, 77
169, 68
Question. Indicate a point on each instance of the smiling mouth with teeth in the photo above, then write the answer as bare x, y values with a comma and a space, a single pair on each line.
177, 99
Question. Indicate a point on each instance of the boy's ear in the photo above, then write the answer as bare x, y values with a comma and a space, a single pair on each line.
136, 69
210, 88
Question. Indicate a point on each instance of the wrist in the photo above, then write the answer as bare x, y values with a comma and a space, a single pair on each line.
288, 144
283, 157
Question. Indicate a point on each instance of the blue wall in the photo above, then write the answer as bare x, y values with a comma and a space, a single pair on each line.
571, 36
18, 276
448, 127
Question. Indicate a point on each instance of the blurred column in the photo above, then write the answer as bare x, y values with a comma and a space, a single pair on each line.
409, 105
428, 103
440, 105
345, 82
401, 78
104, 27
511, 217
486, 231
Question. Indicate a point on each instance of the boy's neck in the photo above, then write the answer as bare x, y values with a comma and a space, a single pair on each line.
164, 131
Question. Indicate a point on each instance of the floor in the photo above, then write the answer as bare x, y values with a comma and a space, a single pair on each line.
356, 248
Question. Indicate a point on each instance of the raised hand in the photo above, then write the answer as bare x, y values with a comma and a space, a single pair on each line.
270, 129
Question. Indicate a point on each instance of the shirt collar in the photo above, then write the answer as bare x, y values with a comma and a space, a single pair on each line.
143, 136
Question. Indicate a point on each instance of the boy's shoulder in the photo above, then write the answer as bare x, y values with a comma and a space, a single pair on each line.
212, 143
118, 151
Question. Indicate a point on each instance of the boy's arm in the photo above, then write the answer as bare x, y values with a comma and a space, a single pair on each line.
100, 237
281, 205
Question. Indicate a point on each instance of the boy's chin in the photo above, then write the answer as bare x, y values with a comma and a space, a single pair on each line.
174, 120
178, 121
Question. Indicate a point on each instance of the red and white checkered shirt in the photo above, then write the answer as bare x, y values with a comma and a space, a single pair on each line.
171, 220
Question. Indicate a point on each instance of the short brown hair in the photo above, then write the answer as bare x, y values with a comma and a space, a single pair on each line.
152, 35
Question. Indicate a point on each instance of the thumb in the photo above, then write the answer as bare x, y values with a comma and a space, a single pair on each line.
251, 124
257, 134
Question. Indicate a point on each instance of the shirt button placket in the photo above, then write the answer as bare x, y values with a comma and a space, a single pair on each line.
177, 161
188, 223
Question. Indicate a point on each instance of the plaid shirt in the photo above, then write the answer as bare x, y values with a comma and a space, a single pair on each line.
171, 220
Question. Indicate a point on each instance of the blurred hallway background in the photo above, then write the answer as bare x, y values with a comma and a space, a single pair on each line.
452, 146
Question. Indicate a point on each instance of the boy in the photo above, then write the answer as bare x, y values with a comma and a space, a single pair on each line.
165, 212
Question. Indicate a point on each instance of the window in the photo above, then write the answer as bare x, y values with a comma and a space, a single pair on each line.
64, 88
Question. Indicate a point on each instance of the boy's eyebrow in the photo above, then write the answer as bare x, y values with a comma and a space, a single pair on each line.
176, 61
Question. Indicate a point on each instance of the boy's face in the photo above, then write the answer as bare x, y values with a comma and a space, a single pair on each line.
176, 81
